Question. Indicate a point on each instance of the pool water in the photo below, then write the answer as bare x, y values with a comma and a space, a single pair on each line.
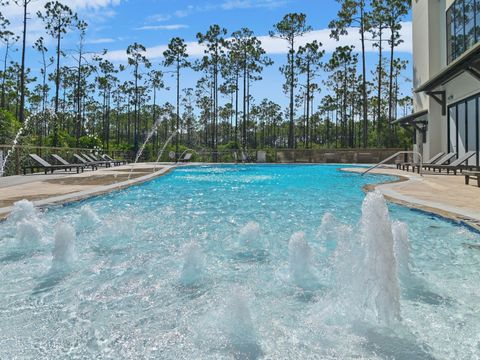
238, 262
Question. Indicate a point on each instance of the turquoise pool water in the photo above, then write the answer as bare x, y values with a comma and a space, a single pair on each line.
237, 262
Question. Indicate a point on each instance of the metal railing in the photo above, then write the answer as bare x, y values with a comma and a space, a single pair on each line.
394, 156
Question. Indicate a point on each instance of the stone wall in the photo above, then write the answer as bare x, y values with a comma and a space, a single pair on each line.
356, 156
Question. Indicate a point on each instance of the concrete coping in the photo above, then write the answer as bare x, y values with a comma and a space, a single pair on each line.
390, 191
97, 190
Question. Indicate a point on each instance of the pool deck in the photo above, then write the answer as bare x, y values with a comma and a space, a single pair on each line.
61, 187
445, 195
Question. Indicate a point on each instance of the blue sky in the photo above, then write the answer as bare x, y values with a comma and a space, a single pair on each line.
114, 24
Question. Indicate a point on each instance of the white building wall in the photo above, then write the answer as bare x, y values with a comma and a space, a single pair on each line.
429, 58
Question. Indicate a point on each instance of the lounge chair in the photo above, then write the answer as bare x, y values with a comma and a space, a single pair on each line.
246, 157
187, 157
443, 161
116, 161
472, 174
456, 165
406, 165
97, 159
44, 165
66, 163
85, 161
98, 162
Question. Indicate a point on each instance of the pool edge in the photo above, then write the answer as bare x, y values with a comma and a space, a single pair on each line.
90, 193
425, 206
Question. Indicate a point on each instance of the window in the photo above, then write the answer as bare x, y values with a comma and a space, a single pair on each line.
463, 128
463, 27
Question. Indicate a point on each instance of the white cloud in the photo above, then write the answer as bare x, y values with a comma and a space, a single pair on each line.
220, 5
91, 10
12, 10
158, 18
275, 46
100, 41
163, 27
248, 4
279, 46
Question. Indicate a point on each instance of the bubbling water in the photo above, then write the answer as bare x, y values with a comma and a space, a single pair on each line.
241, 334
193, 266
381, 287
328, 227
250, 236
23, 210
402, 248
64, 253
88, 217
300, 259
28, 232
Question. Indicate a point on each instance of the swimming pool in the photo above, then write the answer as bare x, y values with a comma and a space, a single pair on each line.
243, 262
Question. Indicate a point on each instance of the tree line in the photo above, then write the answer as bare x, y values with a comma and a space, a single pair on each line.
85, 100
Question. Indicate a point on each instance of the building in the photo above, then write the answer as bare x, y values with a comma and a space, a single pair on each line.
446, 77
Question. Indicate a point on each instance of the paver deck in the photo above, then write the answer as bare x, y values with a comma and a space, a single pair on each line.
63, 187
446, 195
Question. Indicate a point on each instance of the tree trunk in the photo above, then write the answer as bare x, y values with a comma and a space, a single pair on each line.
57, 93
390, 86
244, 125
236, 107
364, 80
22, 67
307, 131
135, 112
379, 90
177, 137
291, 129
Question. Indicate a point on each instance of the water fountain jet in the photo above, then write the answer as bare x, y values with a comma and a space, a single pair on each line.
380, 285
192, 271
23, 210
16, 140
240, 329
300, 259
64, 253
28, 233
88, 217
163, 149
402, 248
140, 151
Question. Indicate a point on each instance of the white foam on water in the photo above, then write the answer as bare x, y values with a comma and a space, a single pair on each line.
381, 290
23, 210
64, 254
402, 247
328, 227
193, 266
300, 262
88, 217
28, 232
250, 236
240, 329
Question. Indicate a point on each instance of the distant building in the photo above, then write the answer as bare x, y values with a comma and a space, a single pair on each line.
446, 77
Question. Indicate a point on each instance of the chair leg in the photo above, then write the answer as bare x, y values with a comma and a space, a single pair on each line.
467, 179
